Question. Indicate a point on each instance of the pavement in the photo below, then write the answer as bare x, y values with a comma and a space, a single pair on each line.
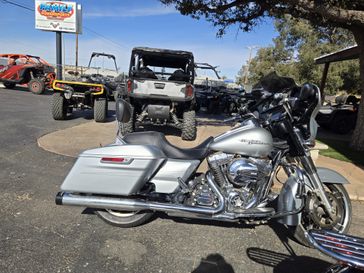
38, 236
73, 140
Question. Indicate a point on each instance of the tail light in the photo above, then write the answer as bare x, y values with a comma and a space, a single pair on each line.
189, 91
130, 86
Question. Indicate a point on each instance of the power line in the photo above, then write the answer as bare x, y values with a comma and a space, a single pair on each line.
89, 29
17, 4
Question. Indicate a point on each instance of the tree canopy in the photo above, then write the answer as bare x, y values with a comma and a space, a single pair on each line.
294, 50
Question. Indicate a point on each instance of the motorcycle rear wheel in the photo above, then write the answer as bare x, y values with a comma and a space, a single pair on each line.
313, 216
124, 219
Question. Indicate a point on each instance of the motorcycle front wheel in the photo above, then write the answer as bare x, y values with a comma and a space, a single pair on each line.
124, 219
315, 217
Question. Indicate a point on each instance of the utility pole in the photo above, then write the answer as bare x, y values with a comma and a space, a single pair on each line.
76, 64
248, 65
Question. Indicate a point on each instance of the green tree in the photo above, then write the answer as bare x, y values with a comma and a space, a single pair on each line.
294, 50
347, 14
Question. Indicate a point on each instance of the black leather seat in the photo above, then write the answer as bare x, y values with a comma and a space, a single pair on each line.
158, 139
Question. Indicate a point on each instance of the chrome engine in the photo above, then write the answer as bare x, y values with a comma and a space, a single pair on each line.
241, 180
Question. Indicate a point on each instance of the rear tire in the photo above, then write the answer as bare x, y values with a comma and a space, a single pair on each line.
9, 85
342, 124
340, 198
124, 219
36, 86
189, 129
128, 127
100, 109
59, 107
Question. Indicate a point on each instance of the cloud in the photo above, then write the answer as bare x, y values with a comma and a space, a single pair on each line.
132, 12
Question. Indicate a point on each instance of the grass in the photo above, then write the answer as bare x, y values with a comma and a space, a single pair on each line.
340, 150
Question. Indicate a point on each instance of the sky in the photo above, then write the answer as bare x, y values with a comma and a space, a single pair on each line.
122, 25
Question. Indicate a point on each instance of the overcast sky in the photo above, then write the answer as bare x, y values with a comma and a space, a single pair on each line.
131, 23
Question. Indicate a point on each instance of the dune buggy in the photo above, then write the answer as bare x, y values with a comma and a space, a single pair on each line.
26, 69
160, 89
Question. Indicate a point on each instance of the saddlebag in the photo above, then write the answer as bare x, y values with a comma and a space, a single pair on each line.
114, 170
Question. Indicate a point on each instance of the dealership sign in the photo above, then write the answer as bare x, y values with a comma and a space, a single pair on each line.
58, 16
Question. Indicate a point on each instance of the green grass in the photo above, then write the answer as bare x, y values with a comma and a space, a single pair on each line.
340, 150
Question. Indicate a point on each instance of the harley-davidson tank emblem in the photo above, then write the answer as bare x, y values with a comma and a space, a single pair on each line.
252, 141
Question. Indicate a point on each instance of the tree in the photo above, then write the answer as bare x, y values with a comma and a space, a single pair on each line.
294, 50
347, 14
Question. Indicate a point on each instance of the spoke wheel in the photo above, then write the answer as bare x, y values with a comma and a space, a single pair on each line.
314, 215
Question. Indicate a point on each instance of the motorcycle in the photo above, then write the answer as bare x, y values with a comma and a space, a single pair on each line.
347, 250
143, 173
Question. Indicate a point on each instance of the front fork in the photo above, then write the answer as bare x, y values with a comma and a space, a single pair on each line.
317, 185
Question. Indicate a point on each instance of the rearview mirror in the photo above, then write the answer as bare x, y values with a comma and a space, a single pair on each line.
123, 110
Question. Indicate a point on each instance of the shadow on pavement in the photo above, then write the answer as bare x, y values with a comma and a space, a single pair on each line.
213, 263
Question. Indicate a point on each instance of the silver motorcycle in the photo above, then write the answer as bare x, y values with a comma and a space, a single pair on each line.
127, 182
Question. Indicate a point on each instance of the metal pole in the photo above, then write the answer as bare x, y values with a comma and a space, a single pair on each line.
59, 54
76, 52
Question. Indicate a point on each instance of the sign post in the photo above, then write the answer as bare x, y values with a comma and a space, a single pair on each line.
58, 17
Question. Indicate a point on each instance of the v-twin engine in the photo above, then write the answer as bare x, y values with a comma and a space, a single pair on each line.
242, 179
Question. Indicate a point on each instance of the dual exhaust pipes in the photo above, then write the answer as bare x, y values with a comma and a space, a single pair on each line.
116, 203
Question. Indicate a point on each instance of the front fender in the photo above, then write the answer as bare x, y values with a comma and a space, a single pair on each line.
329, 176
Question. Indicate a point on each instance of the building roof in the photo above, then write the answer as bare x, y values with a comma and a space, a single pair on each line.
348, 53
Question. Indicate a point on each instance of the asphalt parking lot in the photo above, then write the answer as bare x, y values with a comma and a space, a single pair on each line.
38, 236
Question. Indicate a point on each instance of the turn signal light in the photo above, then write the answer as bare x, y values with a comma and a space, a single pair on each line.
112, 160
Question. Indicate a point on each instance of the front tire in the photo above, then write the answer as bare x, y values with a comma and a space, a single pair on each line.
189, 129
313, 216
36, 86
124, 219
59, 107
100, 109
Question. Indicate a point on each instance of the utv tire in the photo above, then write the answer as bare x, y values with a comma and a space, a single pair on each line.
128, 127
124, 219
36, 86
9, 85
189, 130
100, 109
59, 107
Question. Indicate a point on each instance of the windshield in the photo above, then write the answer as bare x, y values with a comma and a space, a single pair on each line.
275, 83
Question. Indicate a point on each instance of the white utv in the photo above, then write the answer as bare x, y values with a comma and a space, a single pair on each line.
160, 89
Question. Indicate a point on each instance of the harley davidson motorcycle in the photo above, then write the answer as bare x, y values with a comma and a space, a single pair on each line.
127, 182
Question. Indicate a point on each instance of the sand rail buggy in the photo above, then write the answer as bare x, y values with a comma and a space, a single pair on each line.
100, 70
160, 89
26, 69
69, 95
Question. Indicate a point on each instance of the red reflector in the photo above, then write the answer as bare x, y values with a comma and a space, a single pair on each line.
112, 159
129, 83
189, 91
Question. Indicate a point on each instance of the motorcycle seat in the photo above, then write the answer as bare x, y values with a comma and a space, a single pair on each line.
159, 140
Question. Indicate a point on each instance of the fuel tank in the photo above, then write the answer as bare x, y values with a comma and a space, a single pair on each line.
247, 140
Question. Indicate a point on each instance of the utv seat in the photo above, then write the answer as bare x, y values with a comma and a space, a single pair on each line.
146, 72
179, 75
159, 140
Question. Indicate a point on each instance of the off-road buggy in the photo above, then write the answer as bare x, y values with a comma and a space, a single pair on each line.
160, 89
91, 90
210, 89
341, 116
26, 69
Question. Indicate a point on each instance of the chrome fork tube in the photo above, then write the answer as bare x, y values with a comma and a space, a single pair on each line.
315, 180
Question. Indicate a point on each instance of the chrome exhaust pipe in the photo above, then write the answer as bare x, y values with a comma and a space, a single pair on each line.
115, 203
